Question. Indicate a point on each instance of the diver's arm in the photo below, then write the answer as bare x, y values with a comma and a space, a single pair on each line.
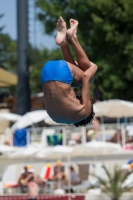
86, 88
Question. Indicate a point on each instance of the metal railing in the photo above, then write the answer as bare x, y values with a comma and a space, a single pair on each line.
104, 133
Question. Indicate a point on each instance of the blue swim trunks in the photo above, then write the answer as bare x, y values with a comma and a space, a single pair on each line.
56, 70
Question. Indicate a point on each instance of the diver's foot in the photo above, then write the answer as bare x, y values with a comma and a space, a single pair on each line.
61, 32
72, 31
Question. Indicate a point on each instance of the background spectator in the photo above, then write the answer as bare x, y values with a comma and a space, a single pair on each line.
59, 175
23, 176
33, 183
74, 177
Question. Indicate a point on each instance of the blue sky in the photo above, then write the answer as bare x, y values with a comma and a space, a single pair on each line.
9, 20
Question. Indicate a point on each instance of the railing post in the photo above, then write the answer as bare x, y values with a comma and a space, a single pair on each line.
123, 135
64, 135
83, 130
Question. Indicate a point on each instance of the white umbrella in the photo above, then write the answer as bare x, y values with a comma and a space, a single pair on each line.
114, 108
100, 110
99, 147
55, 152
6, 148
87, 149
22, 152
45, 152
95, 148
10, 116
62, 151
30, 118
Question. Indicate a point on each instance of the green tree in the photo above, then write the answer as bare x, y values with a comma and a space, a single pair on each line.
106, 34
7, 57
7, 51
114, 186
1, 28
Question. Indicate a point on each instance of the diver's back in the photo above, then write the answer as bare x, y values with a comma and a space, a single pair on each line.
60, 101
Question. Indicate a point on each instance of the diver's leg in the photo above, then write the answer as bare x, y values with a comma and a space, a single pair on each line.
61, 40
82, 58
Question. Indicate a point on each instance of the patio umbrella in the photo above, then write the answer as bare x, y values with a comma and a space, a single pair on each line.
99, 147
87, 149
30, 118
61, 151
56, 152
100, 111
114, 108
10, 116
23, 152
44, 152
95, 148
5, 148
7, 79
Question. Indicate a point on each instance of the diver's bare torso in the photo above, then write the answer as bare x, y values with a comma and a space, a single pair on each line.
61, 102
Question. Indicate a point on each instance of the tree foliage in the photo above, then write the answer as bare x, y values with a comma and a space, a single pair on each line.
106, 34
8, 57
1, 28
7, 50
115, 184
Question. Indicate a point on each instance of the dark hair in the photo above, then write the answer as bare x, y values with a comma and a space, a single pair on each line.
25, 168
84, 122
71, 168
